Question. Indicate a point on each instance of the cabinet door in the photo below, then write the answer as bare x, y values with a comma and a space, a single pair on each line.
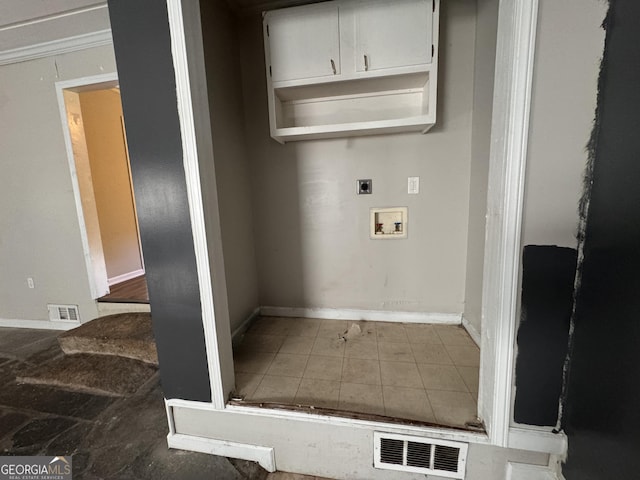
393, 34
304, 42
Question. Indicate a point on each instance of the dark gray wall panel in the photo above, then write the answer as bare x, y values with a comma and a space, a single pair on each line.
548, 274
602, 406
143, 54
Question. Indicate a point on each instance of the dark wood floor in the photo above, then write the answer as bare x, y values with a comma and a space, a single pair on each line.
129, 291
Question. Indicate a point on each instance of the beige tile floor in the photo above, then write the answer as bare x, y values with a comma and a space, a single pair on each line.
409, 371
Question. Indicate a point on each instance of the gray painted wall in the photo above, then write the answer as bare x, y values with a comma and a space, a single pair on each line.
334, 451
40, 234
311, 229
568, 50
485, 56
230, 162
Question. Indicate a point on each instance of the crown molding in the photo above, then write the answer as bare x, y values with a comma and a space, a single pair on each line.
56, 47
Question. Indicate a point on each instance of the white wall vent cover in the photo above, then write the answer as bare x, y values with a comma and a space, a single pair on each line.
419, 455
64, 313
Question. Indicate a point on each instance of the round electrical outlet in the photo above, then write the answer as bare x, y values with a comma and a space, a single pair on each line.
364, 187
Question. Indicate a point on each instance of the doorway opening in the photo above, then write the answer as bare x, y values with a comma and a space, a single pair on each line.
416, 303
92, 118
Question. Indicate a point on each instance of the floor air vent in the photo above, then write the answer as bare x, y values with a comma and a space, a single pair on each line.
64, 313
419, 455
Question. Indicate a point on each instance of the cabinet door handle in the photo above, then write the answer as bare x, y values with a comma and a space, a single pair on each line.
366, 63
333, 66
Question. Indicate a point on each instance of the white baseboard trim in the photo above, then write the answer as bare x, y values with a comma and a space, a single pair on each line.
107, 308
538, 441
240, 329
56, 47
371, 315
263, 455
525, 471
125, 276
38, 324
471, 330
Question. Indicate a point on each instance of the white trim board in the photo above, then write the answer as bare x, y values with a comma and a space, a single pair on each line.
97, 288
38, 324
194, 193
125, 276
431, 432
524, 471
526, 439
263, 455
370, 315
471, 330
56, 47
517, 20
538, 441
111, 308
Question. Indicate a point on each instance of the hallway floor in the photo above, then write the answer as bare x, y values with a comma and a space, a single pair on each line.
130, 291
414, 372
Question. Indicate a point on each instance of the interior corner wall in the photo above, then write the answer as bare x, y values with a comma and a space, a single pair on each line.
40, 235
102, 119
569, 47
484, 73
142, 45
312, 230
230, 166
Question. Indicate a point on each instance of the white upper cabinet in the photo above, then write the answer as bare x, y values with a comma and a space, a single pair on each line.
351, 67
304, 42
391, 34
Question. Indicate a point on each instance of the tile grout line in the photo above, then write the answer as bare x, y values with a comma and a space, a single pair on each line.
305, 366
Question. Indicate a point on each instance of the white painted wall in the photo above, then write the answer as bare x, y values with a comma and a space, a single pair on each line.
484, 69
568, 51
102, 117
40, 235
311, 229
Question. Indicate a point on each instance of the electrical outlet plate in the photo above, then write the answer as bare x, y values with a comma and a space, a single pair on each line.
364, 187
413, 185
389, 223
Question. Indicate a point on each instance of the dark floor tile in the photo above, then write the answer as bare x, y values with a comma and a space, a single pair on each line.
13, 340
10, 421
108, 375
68, 442
81, 461
110, 462
47, 350
37, 433
38, 351
93, 407
10, 369
44, 399
160, 464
